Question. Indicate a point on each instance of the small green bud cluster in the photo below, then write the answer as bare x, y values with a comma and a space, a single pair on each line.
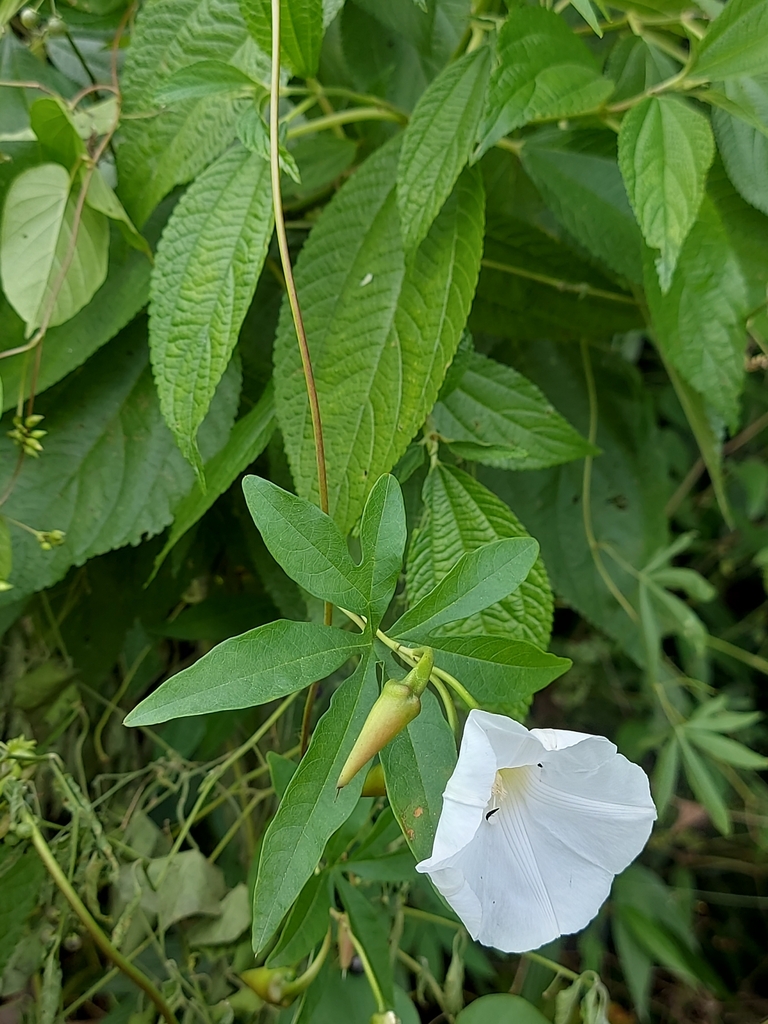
48, 539
25, 434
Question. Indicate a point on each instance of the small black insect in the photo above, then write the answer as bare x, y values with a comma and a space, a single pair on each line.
540, 765
491, 813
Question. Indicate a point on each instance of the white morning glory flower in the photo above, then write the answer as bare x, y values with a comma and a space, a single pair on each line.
534, 826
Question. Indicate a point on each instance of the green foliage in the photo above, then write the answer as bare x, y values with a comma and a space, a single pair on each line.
208, 262
531, 264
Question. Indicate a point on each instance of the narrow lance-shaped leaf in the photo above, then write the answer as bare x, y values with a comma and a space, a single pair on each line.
479, 578
261, 665
736, 43
665, 149
381, 336
438, 141
544, 73
497, 417
382, 541
208, 262
312, 808
460, 515
417, 765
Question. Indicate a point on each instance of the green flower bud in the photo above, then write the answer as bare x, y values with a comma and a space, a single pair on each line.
271, 984
398, 704
387, 1017
374, 782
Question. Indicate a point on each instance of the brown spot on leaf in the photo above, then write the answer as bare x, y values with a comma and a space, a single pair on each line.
418, 812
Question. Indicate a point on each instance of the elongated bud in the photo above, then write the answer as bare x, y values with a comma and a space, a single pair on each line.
398, 704
271, 984
387, 1017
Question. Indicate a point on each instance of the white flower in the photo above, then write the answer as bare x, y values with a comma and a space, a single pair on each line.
534, 826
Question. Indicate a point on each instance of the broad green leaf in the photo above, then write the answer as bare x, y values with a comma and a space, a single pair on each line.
382, 542
743, 147
123, 294
307, 544
460, 515
729, 751
110, 474
381, 336
500, 1008
544, 73
704, 787
205, 78
20, 880
301, 31
536, 281
497, 417
478, 579
100, 197
261, 665
6, 550
172, 146
321, 159
54, 278
208, 262
699, 322
417, 765
307, 922
312, 808
665, 775
636, 65
736, 42
502, 675
665, 149
54, 126
438, 141
629, 485
583, 188
249, 437
369, 926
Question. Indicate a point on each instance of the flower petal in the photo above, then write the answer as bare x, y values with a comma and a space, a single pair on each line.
559, 739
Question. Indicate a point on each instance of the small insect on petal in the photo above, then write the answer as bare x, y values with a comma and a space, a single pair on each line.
534, 827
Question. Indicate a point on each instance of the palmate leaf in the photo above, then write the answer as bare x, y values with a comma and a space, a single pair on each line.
311, 549
478, 579
261, 665
381, 335
544, 73
208, 262
665, 150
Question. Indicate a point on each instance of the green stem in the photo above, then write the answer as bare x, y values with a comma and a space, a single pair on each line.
586, 490
340, 117
128, 969
739, 654
537, 958
582, 289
